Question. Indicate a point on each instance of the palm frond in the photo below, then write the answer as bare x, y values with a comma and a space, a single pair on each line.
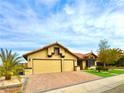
3, 55
10, 63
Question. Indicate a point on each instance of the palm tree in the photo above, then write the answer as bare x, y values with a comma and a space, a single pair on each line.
10, 64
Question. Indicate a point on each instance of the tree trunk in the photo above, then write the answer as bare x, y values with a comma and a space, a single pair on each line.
104, 64
8, 77
99, 70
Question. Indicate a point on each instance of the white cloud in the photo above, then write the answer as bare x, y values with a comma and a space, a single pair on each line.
79, 26
117, 22
69, 10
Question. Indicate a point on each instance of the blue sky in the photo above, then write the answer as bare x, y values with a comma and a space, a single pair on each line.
79, 25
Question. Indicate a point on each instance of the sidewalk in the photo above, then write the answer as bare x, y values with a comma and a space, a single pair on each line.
97, 86
118, 89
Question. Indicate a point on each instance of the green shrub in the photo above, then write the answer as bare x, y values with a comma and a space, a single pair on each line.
120, 62
19, 92
105, 69
99, 68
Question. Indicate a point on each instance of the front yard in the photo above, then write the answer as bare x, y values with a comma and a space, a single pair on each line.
106, 73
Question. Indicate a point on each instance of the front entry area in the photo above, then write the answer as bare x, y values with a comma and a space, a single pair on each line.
80, 64
84, 64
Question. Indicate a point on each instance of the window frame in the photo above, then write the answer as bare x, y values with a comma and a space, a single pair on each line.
56, 50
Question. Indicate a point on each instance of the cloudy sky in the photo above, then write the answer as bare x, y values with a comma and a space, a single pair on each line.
77, 24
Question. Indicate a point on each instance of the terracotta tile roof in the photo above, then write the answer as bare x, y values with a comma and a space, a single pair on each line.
84, 56
81, 56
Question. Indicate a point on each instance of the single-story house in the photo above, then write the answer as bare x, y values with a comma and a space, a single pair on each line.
54, 58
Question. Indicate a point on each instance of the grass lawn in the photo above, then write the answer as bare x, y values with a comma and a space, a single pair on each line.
106, 73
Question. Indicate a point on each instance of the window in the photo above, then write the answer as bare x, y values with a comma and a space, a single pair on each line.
56, 50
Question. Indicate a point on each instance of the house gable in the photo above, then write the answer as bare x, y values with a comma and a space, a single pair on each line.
49, 52
91, 55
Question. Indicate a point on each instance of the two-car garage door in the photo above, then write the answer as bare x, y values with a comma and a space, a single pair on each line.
51, 65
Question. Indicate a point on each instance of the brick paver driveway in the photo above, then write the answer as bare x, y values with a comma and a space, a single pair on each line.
44, 82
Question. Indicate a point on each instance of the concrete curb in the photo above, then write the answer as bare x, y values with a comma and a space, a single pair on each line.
10, 86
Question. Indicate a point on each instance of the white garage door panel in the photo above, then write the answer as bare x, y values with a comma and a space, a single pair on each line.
46, 66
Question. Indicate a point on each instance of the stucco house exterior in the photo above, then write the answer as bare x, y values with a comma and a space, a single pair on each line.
51, 58
54, 58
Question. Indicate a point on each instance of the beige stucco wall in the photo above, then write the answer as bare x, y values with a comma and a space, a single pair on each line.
95, 63
84, 64
43, 54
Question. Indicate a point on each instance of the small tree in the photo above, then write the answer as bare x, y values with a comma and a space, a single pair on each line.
109, 56
114, 55
120, 62
10, 64
106, 55
103, 44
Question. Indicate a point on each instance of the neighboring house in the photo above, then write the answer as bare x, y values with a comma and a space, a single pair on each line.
56, 58
86, 60
51, 58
